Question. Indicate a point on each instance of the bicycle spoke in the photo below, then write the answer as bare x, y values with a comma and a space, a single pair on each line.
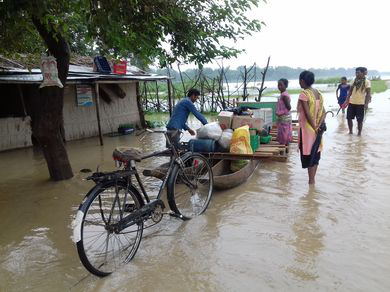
192, 188
105, 250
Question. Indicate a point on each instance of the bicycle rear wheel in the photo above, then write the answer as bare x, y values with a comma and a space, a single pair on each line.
190, 186
102, 250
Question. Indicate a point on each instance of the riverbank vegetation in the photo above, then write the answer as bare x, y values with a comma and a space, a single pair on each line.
378, 86
273, 73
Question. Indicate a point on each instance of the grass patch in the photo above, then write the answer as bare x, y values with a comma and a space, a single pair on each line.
156, 116
275, 91
378, 86
330, 80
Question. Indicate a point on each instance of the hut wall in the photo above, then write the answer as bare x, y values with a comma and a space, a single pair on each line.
15, 133
81, 122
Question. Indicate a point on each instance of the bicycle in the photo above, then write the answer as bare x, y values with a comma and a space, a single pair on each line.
110, 221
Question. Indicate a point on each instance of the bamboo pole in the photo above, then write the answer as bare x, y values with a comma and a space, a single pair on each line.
169, 97
139, 105
98, 112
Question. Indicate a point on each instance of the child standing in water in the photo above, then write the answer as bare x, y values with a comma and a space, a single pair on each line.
311, 112
283, 108
342, 92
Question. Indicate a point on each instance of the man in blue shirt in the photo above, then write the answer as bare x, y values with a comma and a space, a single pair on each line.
180, 115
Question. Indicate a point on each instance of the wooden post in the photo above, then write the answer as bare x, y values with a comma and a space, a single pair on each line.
98, 113
139, 104
244, 90
158, 98
145, 93
169, 97
22, 100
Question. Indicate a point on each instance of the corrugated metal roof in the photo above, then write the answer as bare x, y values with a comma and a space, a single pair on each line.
77, 74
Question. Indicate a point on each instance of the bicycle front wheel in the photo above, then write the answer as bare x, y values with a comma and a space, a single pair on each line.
101, 249
190, 186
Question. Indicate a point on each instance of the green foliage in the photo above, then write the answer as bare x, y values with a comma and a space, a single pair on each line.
155, 124
330, 80
378, 86
185, 31
19, 35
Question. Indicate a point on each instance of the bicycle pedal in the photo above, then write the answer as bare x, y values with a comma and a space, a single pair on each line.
173, 214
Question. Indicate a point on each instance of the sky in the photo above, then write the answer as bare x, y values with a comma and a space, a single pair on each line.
319, 34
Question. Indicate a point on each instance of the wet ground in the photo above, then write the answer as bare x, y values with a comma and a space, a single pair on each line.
272, 233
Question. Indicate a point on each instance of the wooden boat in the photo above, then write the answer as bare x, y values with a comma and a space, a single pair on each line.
224, 178
158, 172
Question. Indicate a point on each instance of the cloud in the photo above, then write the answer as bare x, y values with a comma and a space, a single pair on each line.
319, 34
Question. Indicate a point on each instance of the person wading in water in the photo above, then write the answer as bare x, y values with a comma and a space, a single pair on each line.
311, 111
358, 97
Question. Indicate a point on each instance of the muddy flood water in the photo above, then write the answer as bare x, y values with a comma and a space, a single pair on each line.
273, 233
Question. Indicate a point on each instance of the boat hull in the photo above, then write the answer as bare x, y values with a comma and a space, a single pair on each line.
225, 179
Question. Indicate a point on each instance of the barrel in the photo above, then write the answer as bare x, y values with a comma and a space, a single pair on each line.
202, 145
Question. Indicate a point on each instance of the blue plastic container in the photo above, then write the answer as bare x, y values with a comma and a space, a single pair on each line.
202, 145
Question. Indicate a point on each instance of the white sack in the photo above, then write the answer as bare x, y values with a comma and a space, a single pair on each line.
49, 72
210, 131
225, 139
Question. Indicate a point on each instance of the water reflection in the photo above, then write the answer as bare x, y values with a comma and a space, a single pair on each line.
308, 241
342, 127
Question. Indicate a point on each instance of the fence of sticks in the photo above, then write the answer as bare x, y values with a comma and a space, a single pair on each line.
216, 93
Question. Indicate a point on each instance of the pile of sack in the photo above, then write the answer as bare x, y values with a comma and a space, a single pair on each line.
212, 138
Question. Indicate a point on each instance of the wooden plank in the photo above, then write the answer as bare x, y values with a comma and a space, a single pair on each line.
266, 150
272, 145
233, 156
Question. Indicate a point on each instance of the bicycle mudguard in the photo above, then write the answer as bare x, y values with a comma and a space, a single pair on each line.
76, 223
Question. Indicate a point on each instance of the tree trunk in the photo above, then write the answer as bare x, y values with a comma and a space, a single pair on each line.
48, 124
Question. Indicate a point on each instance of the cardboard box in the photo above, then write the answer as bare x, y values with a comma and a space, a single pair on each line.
225, 119
263, 113
239, 121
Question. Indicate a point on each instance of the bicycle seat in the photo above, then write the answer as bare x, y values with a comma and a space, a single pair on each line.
126, 154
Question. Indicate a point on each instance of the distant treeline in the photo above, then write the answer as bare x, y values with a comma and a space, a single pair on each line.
273, 73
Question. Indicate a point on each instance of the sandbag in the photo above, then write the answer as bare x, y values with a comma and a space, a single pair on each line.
226, 138
241, 142
210, 131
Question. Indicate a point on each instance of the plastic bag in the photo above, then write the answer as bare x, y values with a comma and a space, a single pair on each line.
49, 72
236, 165
226, 138
210, 131
241, 143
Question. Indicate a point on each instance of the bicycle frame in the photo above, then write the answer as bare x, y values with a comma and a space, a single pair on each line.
127, 173
117, 202
174, 157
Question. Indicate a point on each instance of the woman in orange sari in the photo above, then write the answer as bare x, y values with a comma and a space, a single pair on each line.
311, 111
